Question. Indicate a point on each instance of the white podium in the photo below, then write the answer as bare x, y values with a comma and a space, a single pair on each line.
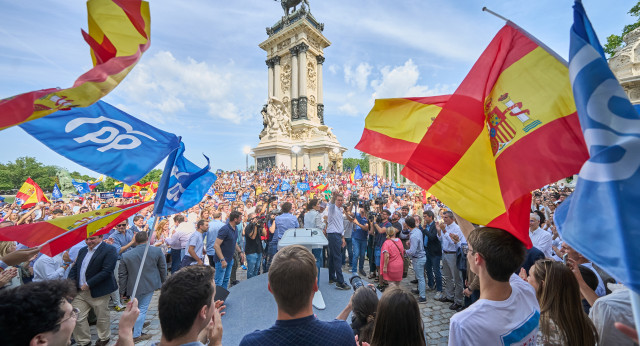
311, 238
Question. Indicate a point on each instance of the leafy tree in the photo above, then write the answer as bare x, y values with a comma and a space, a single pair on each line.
349, 164
614, 42
154, 175
13, 174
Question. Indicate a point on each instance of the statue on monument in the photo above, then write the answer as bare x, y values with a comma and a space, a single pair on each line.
275, 119
287, 4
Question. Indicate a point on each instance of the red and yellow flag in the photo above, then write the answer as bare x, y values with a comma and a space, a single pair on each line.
152, 188
510, 128
30, 193
394, 127
64, 232
129, 191
118, 35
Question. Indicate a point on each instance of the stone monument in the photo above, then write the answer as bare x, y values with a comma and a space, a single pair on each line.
625, 64
295, 134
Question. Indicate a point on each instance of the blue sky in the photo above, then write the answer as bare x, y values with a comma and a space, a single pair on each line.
204, 76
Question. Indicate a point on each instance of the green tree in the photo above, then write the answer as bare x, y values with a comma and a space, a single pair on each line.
349, 164
13, 174
615, 42
154, 175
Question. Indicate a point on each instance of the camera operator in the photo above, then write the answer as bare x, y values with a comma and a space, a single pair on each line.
253, 244
283, 222
359, 240
380, 233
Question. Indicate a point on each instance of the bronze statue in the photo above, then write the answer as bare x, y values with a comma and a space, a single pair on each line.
287, 4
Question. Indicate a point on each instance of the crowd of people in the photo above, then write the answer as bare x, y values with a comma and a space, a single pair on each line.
501, 291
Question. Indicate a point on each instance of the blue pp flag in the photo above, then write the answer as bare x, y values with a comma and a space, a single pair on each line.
56, 194
104, 139
183, 184
357, 173
600, 219
285, 186
117, 192
81, 187
211, 191
303, 187
375, 181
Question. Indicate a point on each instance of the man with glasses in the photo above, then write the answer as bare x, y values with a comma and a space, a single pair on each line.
122, 239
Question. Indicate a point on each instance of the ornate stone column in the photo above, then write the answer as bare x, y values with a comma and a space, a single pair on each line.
320, 60
294, 83
302, 85
276, 77
397, 173
269, 63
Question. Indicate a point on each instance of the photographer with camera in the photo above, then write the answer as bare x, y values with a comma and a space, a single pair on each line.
253, 244
283, 222
380, 234
359, 239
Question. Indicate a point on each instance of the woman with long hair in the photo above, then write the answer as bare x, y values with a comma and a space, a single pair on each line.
160, 234
562, 319
362, 306
398, 320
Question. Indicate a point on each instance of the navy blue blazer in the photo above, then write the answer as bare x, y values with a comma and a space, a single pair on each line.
99, 272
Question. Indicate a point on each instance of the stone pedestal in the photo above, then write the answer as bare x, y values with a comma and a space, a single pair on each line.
294, 114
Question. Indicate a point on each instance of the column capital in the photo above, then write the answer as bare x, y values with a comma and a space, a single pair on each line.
294, 50
302, 47
269, 63
320, 59
276, 60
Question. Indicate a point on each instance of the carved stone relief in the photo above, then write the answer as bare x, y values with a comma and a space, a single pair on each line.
284, 44
311, 72
285, 76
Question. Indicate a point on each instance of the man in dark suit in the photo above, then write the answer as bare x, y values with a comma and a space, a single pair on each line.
153, 275
433, 249
92, 274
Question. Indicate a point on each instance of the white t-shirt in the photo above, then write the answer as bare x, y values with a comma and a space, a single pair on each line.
510, 322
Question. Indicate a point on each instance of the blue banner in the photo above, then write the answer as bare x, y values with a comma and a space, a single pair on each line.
117, 192
82, 188
285, 186
400, 191
183, 184
56, 194
106, 195
104, 139
229, 196
600, 219
303, 187
211, 191
245, 196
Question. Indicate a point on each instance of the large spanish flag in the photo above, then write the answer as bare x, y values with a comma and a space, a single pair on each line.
129, 191
118, 35
510, 128
29, 194
394, 127
62, 233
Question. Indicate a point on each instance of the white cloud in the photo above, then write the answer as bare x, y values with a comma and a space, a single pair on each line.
402, 81
164, 87
359, 77
348, 109
333, 68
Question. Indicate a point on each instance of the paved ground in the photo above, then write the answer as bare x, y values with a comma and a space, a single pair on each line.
435, 316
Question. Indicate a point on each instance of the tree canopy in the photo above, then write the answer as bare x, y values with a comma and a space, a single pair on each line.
615, 42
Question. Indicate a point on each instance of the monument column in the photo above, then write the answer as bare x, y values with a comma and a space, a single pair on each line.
320, 60
269, 63
398, 173
294, 83
302, 85
276, 77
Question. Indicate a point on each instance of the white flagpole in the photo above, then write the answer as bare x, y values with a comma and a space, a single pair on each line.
144, 257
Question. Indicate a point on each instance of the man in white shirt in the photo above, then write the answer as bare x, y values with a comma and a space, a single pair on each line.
451, 237
507, 312
540, 238
335, 235
51, 268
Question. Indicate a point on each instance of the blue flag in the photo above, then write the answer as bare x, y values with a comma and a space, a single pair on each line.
357, 173
56, 194
211, 191
183, 184
303, 187
82, 188
600, 219
375, 181
285, 186
117, 192
104, 139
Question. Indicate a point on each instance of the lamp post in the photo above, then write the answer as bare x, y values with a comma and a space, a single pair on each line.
296, 150
247, 150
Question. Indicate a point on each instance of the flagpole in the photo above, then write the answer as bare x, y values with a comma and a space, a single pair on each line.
144, 257
94, 220
531, 37
635, 305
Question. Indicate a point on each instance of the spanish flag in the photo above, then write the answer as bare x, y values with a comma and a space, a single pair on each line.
152, 188
30, 194
129, 191
118, 35
394, 127
61, 233
510, 128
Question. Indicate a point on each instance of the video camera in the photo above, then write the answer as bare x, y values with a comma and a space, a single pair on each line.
267, 197
382, 200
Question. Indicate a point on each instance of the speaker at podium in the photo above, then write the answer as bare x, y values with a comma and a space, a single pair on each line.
250, 305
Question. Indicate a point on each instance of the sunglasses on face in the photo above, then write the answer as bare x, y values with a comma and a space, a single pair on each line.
122, 225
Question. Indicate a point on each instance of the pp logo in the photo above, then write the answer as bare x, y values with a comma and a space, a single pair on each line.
175, 191
115, 139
